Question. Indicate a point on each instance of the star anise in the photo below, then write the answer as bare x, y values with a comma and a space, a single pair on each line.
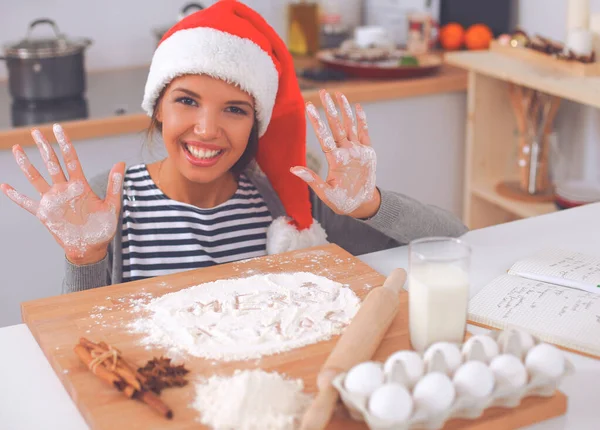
160, 374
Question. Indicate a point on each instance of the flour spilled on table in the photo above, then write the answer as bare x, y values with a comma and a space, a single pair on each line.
246, 318
250, 400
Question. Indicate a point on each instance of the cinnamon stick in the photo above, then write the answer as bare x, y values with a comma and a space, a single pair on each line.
154, 402
133, 370
103, 373
123, 369
129, 391
126, 364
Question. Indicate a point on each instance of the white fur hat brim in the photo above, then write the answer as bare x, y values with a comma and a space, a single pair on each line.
218, 54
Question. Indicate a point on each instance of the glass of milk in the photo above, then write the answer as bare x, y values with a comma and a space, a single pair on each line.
438, 290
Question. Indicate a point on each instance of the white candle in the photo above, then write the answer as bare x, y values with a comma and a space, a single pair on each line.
580, 41
595, 29
578, 14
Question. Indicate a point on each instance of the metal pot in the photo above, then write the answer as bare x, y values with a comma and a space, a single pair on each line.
46, 69
186, 10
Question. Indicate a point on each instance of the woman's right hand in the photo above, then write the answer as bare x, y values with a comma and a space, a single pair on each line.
81, 222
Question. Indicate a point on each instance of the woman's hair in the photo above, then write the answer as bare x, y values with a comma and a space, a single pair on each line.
239, 166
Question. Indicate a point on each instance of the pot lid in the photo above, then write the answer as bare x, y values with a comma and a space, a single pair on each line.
186, 10
56, 46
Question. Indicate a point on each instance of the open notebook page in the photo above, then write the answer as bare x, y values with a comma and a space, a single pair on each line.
561, 266
559, 315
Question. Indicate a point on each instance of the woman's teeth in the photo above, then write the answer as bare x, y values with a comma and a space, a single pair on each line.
203, 153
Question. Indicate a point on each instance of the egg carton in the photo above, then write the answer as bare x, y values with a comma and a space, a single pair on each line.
463, 406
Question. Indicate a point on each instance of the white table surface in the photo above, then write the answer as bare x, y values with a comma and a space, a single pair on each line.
32, 397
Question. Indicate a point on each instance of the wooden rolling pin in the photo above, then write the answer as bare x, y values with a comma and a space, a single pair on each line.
358, 343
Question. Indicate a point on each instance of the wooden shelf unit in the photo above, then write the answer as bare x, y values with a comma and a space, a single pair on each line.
490, 134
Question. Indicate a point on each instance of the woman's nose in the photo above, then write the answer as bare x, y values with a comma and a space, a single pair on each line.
207, 126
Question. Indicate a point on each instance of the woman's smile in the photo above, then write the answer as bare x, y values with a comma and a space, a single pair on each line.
202, 154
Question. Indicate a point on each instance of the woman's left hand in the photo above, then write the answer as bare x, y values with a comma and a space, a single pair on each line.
350, 185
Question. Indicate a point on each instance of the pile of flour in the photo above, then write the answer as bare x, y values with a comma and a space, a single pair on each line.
250, 400
246, 318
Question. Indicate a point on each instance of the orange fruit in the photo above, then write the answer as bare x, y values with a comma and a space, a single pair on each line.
452, 36
478, 36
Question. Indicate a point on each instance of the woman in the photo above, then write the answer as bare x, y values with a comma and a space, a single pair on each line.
223, 93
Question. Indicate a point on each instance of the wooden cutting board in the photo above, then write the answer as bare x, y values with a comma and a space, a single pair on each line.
57, 323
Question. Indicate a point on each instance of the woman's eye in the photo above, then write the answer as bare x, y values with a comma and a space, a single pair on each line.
186, 101
236, 110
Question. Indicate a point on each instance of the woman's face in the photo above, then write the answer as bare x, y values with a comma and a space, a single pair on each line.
206, 124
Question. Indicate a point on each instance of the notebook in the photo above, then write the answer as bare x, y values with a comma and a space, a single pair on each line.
534, 296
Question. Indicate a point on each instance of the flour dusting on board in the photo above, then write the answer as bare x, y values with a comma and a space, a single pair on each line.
246, 318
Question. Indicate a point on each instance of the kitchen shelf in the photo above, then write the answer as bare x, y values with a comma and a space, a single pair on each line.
491, 145
487, 192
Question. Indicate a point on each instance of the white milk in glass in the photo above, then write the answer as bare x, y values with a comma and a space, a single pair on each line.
438, 295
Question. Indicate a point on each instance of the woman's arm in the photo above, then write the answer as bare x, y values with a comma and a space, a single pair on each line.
398, 220
404, 219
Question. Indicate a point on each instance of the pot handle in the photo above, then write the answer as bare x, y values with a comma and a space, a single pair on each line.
186, 10
44, 21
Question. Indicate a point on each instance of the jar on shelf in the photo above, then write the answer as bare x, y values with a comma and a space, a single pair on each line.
528, 175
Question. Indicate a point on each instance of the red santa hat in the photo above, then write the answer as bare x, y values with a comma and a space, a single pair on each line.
232, 42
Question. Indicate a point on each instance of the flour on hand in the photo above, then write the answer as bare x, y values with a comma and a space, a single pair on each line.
246, 318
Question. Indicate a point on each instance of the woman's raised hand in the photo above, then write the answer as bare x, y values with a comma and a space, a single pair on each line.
350, 185
81, 222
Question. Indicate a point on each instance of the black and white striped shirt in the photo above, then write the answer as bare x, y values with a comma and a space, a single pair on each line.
163, 236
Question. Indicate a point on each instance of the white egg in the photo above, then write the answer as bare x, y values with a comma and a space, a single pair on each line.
391, 402
434, 392
490, 347
450, 351
412, 362
474, 379
547, 360
525, 339
364, 378
509, 370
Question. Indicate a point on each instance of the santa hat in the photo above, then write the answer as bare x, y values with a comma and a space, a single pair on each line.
232, 42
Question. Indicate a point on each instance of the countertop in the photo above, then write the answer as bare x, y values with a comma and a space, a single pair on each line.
32, 395
112, 102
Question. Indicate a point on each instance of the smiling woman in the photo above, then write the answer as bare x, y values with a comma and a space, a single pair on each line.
223, 93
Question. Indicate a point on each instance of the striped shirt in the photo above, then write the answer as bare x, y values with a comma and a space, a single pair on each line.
163, 236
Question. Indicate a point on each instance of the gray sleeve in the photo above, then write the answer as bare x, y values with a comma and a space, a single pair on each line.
404, 219
399, 220
80, 278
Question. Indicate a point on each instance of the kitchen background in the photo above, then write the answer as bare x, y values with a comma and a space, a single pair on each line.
413, 137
